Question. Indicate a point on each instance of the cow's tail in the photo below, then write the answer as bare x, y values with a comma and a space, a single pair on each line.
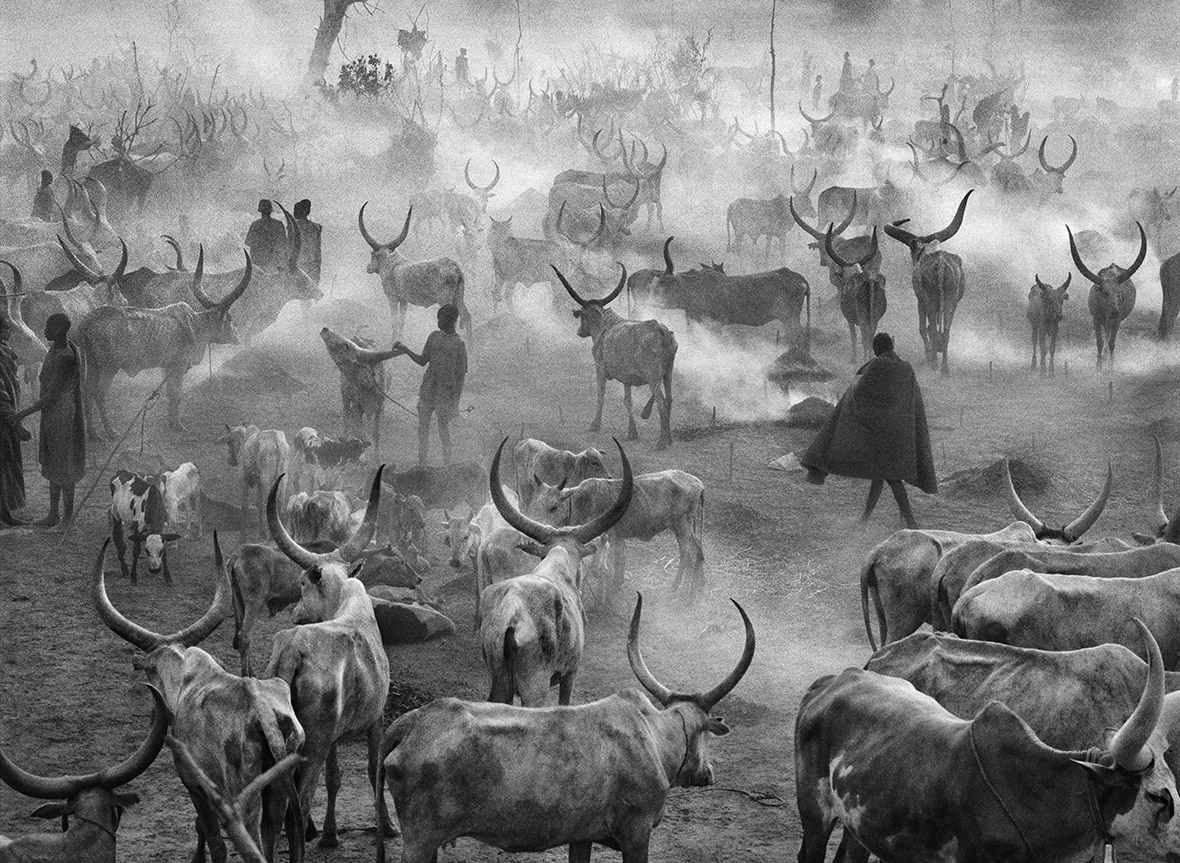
239, 601
504, 682
869, 587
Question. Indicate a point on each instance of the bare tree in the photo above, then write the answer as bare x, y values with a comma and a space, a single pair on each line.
325, 36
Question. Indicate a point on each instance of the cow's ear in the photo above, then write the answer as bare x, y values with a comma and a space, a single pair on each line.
314, 574
56, 809
126, 798
138, 536
716, 725
170, 537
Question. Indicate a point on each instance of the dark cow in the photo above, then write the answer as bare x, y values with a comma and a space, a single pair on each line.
445, 485
138, 500
320, 462
938, 283
610, 788
1045, 311
516, 260
1112, 294
908, 780
861, 293
1170, 285
754, 218
1042, 688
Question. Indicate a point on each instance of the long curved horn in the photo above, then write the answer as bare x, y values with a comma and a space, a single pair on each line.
610, 298
1065, 284
1138, 260
122, 268
647, 175
1068, 162
198, 275
840, 262
812, 120
956, 223
294, 238
659, 691
1157, 488
1022, 512
601, 524
915, 165
1086, 520
283, 540
65, 223
900, 234
668, 256
88, 274
1077, 259
799, 221
171, 241
568, 289
708, 700
467, 177
961, 145
65, 787
373, 244
806, 193
534, 530
237, 292
1039, 283
360, 540
143, 638
1129, 747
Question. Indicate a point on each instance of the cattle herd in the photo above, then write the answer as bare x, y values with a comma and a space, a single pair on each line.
1021, 698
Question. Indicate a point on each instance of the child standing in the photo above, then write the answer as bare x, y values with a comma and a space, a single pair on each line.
445, 358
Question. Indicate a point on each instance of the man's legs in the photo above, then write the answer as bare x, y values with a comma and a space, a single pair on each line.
424, 412
875, 488
53, 518
903, 503
444, 435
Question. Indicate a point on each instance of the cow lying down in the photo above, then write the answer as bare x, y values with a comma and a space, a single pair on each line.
406, 621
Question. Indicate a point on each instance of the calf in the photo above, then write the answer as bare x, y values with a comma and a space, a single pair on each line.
182, 498
1045, 311
511, 776
537, 462
323, 515
320, 462
261, 456
401, 524
139, 501
262, 577
362, 381
91, 799
670, 500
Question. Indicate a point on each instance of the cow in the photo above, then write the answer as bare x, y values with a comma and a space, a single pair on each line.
1112, 294
754, 218
516, 260
173, 338
1170, 286
263, 577
907, 779
532, 626
537, 462
1151, 208
362, 381
1042, 688
182, 498
1053, 611
1055, 176
320, 462
938, 283
89, 806
422, 283
631, 352
444, 485
260, 455
587, 205
668, 500
482, 193
138, 500
1045, 311
319, 516
709, 294
648, 174
861, 293
527, 788
333, 659
235, 727
849, 248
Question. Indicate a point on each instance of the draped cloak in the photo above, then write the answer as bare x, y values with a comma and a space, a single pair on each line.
62, 451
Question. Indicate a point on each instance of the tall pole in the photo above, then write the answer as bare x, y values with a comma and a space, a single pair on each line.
772, 64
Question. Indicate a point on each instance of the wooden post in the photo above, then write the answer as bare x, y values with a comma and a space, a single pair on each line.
773, 68
731, 461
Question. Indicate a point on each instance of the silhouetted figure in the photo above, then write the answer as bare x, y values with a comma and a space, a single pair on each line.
462, 69
870, 81
12, 473
267, 238
44, 204
878, 432
445, 358
846, 79
62, 451
311, 239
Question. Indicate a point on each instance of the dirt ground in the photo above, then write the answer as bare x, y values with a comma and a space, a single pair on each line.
789, 552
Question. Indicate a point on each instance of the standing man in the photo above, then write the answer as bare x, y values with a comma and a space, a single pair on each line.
462, 71
311, 237
878, 432
846, 79
12, 474
870, 82
62, 452
445, 358
267, 238
44, 205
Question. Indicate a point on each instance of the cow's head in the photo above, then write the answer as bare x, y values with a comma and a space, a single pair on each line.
460, 536
216, 313
234, 438
482, 193
385, 255
163, 654
91, 798
1073, 531
918, 245
1055, 176
153, 545
591, 312
819, 241
393, 567
591, 462
848, 273
325, 575
500, 230
694, 709
1109, 278
1051, 299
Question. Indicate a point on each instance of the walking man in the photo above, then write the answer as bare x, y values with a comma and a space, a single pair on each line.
445, 358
